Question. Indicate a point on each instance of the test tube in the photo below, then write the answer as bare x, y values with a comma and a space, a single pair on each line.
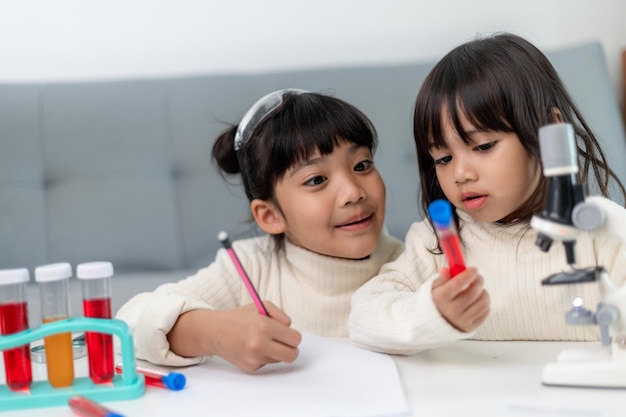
53, 281
440, 212
95, 280
170, 380
14, 319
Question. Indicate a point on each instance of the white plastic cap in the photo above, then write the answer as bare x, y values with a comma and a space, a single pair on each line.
53, 272
13, 276
92, 270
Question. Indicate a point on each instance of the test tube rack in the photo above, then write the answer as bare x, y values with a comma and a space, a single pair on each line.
128, 385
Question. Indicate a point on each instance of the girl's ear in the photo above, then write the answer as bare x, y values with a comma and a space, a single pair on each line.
268, 217
556, 113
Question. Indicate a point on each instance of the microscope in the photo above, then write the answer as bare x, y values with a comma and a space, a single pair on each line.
567, 214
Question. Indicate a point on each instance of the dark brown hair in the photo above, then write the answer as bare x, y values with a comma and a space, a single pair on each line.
501, 83
301, 125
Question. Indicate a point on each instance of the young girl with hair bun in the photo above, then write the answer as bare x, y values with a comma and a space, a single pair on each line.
306, 163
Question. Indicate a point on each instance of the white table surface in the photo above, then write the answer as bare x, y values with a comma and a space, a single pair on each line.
466, 378
499, 379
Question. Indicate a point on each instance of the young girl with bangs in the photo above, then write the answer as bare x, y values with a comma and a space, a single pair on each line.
306, 162
476, 122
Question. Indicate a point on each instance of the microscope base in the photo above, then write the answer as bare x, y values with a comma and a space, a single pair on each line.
596, 371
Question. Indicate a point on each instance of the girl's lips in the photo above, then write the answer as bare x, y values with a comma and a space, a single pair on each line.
356, 225
475, 202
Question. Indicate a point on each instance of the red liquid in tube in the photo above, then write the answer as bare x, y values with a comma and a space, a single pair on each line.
99, 345
440, 212
452, 248
14, 319
96, 289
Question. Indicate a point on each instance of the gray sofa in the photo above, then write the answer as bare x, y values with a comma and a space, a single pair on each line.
121, 170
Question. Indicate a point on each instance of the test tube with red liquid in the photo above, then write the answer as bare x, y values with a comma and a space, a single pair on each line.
440, 212
170, 380
14, 319
95, 280
54, 291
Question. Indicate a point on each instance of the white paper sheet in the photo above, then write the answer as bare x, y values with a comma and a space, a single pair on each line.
329, 378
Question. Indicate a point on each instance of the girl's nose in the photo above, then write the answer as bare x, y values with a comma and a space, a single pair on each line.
464, 170
351, 191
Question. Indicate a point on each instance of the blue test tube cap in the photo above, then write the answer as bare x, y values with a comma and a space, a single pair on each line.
174, 381
440, 212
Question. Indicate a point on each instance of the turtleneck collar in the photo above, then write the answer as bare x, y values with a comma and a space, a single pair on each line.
519, 236
333, 275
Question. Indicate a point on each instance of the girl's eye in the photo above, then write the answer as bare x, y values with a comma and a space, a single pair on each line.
363, 165
444, 160
316, 180
485, 146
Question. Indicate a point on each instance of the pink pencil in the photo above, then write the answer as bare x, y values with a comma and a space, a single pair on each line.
223, 237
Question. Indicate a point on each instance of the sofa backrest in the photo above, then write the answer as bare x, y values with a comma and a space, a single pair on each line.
120, 170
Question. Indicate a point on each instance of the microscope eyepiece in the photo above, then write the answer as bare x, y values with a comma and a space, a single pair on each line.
558, 156
558, 150
557, 143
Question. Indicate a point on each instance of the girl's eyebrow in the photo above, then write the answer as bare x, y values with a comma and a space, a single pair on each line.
468, 133
305, 163
317, 159
432, 145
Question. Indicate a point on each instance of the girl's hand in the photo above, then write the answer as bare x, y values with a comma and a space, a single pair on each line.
462, 300
242, 336
250, 340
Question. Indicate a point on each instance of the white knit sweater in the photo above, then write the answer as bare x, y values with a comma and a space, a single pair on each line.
395, 313
313, 289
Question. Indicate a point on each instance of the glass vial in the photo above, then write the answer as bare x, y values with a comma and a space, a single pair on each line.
14, 319
54, 291
95, 280
440, 212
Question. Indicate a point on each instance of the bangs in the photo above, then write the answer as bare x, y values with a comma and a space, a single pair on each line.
313, 123
484, 111
481, 96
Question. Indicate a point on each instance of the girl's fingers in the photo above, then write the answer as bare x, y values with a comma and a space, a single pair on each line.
276, 313
462, 300
287, 336
474, 291
279, 352
479, 307
457, 287
475, 313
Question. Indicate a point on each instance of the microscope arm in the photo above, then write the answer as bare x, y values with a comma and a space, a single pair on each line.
606, 367
566, 214
603, 217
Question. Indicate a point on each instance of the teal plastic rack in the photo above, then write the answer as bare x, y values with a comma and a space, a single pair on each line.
126, 386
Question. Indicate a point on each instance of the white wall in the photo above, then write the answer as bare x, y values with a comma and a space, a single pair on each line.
45, 40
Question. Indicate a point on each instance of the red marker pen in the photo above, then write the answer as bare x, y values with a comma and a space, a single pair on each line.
85, 407
170, 380
223, 237
440, 212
